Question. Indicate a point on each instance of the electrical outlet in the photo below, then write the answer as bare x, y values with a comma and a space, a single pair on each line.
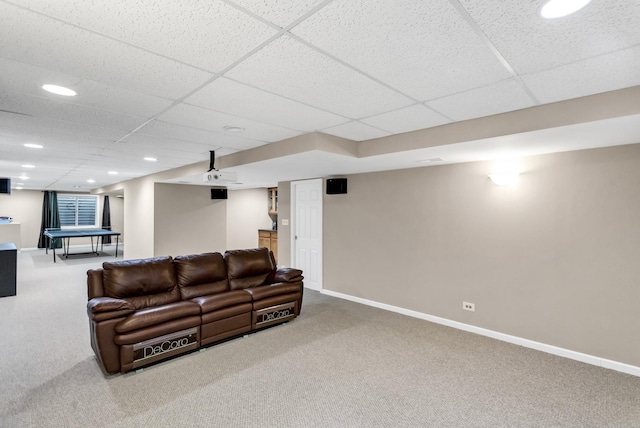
469, 306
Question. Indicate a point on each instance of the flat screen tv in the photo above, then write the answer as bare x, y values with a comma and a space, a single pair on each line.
5, 185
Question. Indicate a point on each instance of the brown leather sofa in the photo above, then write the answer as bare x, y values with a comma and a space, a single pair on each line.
146, 310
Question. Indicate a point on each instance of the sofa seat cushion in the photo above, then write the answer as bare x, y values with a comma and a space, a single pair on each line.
156, 315
214, 302
228, 312
277, 289
157, 330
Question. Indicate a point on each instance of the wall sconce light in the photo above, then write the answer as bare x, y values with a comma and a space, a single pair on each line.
505, 178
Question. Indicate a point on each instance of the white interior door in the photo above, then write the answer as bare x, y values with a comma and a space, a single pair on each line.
306, 238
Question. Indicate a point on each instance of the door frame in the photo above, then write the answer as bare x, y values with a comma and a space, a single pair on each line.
294, 211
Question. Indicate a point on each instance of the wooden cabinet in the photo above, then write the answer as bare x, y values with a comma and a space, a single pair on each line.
269, 239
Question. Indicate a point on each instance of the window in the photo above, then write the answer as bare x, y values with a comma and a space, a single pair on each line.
78, 210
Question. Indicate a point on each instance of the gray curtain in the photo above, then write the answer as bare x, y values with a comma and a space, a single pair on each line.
50, 219
106, 219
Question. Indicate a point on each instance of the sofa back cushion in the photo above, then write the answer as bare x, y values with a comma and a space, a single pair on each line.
143, 282
201, 274
248, 268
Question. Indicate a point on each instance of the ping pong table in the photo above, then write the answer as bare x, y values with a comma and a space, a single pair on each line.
65, 236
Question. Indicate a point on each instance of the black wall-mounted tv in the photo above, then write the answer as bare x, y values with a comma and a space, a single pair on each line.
5, 185
218, 193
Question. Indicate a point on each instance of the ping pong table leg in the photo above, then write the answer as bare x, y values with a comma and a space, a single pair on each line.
117, 242
66, 247
92, 250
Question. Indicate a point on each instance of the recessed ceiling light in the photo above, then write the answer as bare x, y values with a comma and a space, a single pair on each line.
431, 160
33, 146
76, 187
234, 129
112, 172
20, 184
149, 159
91, 180
18, 188
59, 90
559, 8
28, 166
23, 177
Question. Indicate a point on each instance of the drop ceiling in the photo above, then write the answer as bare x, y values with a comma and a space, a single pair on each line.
166, 79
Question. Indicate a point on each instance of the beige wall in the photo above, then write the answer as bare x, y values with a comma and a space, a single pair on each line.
188, 221
284, 232
554, 260
25, 207
139, 218
247, 211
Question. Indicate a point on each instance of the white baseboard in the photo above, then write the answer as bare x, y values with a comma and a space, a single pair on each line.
550, 349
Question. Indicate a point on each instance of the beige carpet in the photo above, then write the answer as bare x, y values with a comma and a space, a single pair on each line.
340, 364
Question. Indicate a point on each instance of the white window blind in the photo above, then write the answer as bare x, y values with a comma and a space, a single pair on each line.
78, 210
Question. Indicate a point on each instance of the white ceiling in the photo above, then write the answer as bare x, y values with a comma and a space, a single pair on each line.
164, 79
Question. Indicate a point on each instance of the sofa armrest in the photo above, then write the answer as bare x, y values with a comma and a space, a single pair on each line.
277, 289
104, 308
285, 275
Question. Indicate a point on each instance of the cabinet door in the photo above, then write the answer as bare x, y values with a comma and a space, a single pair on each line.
273, 200
264, 239
274, 245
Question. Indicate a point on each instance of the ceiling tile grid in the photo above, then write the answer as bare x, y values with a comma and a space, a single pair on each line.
167, 77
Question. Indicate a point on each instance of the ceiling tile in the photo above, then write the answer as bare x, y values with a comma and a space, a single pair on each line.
407, 119
166, 143
294, 70
45, 130
197, 117
88, 55
424, 49
244, 101
355, 131
215, 140
604, 73
279, 12
499, 98
29, 79
530, 43
210, 35
67, 112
